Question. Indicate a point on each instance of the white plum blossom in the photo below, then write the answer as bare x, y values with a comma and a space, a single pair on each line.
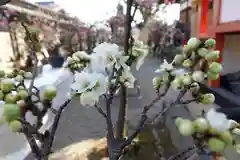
97, 63
102, 83
217, 120
90, 86
89, 98
106, 48
83, 81
139, 51
121, 61
127, 78
165, 66
105, 56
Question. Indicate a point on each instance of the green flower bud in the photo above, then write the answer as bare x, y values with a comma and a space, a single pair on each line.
22, 94
194, 87
215, 67
21, 72
226, 136
157, 82
193, 43
212, 75
7, 85
2, 73
10, 98
11, 112
216, 145
178, 121
236, 131
50, 92
207, 98
187, 63
213, 131
186, 80
19, 78
28, 75
10, 75
210, 43
233, 124
202, 52
186, 128
212, 56
177, 83
15, 126
198, 76
20, 88
75, 58
178, 59
201, 125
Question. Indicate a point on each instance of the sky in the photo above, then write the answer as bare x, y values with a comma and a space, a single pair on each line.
90, 11
87, 10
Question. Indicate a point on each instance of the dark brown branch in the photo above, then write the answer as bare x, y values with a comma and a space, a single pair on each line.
47, 146
144, 117
123, 92
101, 111
33, 144
31, 129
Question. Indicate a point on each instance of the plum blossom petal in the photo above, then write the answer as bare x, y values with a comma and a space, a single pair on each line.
101, 85
217, 120
89, 98
165, 66
83, 82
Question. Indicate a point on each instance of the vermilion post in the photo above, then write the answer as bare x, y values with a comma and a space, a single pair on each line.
203, 17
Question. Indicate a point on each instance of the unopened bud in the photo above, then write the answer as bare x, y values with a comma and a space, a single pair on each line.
156, 82
193, 43
212, 56
202, 52
187, 63
198, 76
178, 59
207, 98
210, 43
215, 67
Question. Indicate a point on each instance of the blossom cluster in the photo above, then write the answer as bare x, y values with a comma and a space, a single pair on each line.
197, 63
107, 67
15, 97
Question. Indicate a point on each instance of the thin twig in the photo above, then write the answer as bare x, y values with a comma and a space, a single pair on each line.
33, 144
134, 12
101, 111
49, 143
31, 129
144, 117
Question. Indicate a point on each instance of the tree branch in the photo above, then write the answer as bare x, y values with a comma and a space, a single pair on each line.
101, 111
144, 117
49, 141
